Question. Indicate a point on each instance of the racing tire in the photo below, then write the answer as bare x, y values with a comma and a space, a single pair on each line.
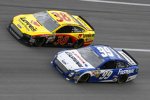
39, 41
122, 78
78, 43
84, 78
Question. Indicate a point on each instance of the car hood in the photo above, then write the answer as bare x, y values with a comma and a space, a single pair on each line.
72, 60
28, 24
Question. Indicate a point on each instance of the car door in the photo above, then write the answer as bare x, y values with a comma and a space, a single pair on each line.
62, 36
67, 35
108, 72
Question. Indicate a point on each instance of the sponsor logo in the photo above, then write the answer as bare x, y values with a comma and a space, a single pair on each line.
35, 23
80, 35
121, 71
19, 26
64, 62
23, 19
88, 35
74, 59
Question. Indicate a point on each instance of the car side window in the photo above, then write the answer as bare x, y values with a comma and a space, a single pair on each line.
121, 64
77, 29
65, 29
109, 65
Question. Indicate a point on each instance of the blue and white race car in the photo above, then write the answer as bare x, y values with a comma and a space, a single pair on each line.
98, 63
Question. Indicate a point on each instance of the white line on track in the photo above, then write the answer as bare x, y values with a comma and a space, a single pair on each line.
136, 50
121, 3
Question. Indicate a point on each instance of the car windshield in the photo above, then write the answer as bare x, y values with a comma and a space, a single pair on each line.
46, 20
90, 56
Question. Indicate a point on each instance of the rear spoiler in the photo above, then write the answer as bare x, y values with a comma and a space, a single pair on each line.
130, 56
126, 56
87, 23
83, 22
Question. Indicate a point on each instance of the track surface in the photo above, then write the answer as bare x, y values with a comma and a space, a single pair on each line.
26, 73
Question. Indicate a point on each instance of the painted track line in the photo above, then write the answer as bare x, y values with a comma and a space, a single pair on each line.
121, 3
136, 50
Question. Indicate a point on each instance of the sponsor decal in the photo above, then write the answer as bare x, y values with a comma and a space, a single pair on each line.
87, 35
74, 59
96, 73
23, 19
64, 62
19, 26
121, 71
35, 23
80, 35
79, 57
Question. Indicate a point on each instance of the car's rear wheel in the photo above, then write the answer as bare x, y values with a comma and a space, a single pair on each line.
122, 78
39, 41
84, 78
78, 43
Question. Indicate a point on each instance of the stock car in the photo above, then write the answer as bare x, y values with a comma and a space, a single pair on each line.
52, 27
96, 63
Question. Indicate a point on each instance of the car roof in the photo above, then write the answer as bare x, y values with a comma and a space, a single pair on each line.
63, 18
107, 53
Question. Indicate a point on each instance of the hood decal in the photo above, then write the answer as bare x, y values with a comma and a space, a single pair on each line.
35, 23
28, 24
72, 60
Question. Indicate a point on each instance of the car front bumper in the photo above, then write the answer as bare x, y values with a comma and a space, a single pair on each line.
15, 31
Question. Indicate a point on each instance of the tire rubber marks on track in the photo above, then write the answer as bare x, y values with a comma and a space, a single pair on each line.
121, 3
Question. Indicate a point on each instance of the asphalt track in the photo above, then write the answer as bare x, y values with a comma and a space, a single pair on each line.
26, 73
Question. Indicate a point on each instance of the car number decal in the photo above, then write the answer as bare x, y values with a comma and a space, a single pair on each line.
106, 74
62, 40
105, 52
61, 16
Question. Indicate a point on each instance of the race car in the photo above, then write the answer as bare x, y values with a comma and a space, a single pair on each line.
57, 28
96, 63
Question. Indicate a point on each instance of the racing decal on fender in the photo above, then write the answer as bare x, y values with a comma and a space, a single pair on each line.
126, 71
23, 19
96, 73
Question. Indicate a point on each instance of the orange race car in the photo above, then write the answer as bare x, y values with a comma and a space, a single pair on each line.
57, 28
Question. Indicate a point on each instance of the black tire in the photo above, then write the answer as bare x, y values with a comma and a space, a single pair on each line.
122, 78
78, 43
39, 41
84, 78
